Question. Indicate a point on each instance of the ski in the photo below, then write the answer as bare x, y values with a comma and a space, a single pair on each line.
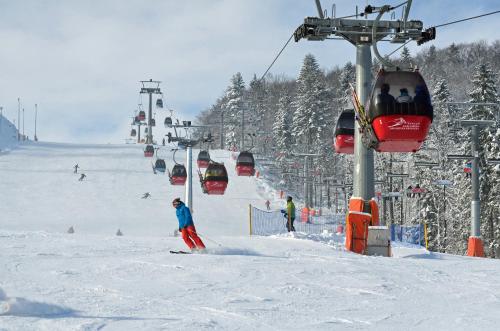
180, 252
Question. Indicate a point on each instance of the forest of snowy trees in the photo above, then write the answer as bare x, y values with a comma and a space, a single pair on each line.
279, 117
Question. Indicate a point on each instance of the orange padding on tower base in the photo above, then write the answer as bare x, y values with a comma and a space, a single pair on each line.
375, 217
357, 222
475, 247
356, 204
356, 233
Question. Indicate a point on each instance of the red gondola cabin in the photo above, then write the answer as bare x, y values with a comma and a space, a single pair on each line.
203, 159
178, 175
160, 165
141, 116
245, 164
215, 180
149, 151
344, 133
400, 111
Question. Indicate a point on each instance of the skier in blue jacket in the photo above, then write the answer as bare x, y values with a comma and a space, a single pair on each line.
186, 225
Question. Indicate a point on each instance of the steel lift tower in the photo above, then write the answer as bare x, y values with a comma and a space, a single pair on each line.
150, 87
364, 34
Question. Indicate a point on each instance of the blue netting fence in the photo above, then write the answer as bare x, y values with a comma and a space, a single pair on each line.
408, 234
266, 223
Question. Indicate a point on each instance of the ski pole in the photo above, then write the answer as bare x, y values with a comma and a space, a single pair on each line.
205, 237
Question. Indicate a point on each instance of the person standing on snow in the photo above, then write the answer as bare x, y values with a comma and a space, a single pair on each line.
76, 168
268, 205
186, 226
290, 212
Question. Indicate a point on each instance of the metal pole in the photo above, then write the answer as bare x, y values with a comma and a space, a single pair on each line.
242, 144
18, 118
36, 114
189, 180
329, 204
150, 116
306, 186
138, 133
221, 129
24, 137
1, 118
476, 203
363, 175
445, 226
391, 189
383, 221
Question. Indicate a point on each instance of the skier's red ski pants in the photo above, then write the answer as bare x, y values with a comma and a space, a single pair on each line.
191, 238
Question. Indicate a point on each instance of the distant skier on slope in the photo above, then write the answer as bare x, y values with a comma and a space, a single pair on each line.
268, 204
186, 226
82, 176
146, 195
76, 168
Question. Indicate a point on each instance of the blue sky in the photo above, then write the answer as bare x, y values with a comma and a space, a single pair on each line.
82, 61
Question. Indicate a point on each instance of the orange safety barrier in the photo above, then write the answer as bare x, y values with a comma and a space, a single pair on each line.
475, 247
356, 233
304, 215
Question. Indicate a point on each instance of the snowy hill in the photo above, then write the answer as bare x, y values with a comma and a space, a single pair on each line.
8, 134
95, 280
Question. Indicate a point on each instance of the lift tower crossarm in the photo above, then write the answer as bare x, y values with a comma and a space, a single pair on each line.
357, 31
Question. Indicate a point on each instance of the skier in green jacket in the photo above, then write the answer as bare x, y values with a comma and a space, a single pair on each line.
290, 212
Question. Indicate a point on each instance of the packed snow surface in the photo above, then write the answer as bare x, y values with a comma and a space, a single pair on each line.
94, 280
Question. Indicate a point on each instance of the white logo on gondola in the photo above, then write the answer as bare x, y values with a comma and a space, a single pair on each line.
349, 140
401, 124
397, 122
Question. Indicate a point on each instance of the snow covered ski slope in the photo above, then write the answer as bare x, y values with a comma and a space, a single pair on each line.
95, 280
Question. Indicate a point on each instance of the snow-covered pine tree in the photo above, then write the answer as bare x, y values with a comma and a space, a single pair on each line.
484, 91
233, 109
451, 227
281, 128
492, 226
257, 106
347, 76
308, 121
406, 59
